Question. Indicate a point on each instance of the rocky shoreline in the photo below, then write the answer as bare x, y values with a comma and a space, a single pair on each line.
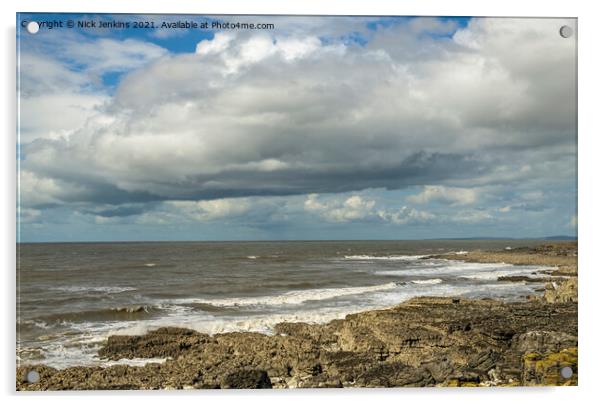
421, 342
562, 284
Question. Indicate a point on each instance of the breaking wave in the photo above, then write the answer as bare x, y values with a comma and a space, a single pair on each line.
386, 257
134, 312
94, 289
427, 281
293, 297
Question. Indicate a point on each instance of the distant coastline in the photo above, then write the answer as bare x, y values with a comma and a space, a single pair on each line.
547, 238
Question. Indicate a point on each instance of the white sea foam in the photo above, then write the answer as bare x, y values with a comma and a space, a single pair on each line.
150, 264
36, 323
263, 323
252, 257
102, 289
385, 257
63, 353
293, 297
493, 275
427, 281
483, 272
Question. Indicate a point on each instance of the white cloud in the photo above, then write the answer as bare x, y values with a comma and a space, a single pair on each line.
28, 215
356, 208
284, 114
56, 115
109, 55
438, 193
93, 56
212, 210
41, 75
353, 208
236, 52
38, 190
220, 42
54, 100
313, 205
406, 215
60, 80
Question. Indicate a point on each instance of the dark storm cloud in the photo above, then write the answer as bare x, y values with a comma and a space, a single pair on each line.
122, 211
418, 168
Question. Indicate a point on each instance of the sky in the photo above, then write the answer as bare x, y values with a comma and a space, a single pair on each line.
319, 128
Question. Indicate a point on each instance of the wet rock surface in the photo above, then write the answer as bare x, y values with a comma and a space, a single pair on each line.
422, 342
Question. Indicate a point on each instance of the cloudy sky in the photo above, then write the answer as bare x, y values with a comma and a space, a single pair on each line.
321, 128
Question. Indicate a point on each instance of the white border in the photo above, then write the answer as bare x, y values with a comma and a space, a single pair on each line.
589, 188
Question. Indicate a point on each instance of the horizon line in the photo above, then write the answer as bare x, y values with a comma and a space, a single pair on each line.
484, 238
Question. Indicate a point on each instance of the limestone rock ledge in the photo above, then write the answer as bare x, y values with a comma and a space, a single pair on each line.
422, 342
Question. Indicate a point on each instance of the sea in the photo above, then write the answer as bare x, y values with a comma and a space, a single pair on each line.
72, 296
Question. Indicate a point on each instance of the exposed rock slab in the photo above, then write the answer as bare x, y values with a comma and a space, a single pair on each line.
423, 342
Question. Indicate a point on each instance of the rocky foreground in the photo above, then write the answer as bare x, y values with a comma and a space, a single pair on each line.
422, 342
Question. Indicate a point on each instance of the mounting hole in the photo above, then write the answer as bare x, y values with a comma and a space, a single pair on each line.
32, 27
566, 31
566, 372
33, 376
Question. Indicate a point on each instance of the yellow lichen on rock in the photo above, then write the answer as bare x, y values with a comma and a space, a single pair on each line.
562, 292
545, 369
